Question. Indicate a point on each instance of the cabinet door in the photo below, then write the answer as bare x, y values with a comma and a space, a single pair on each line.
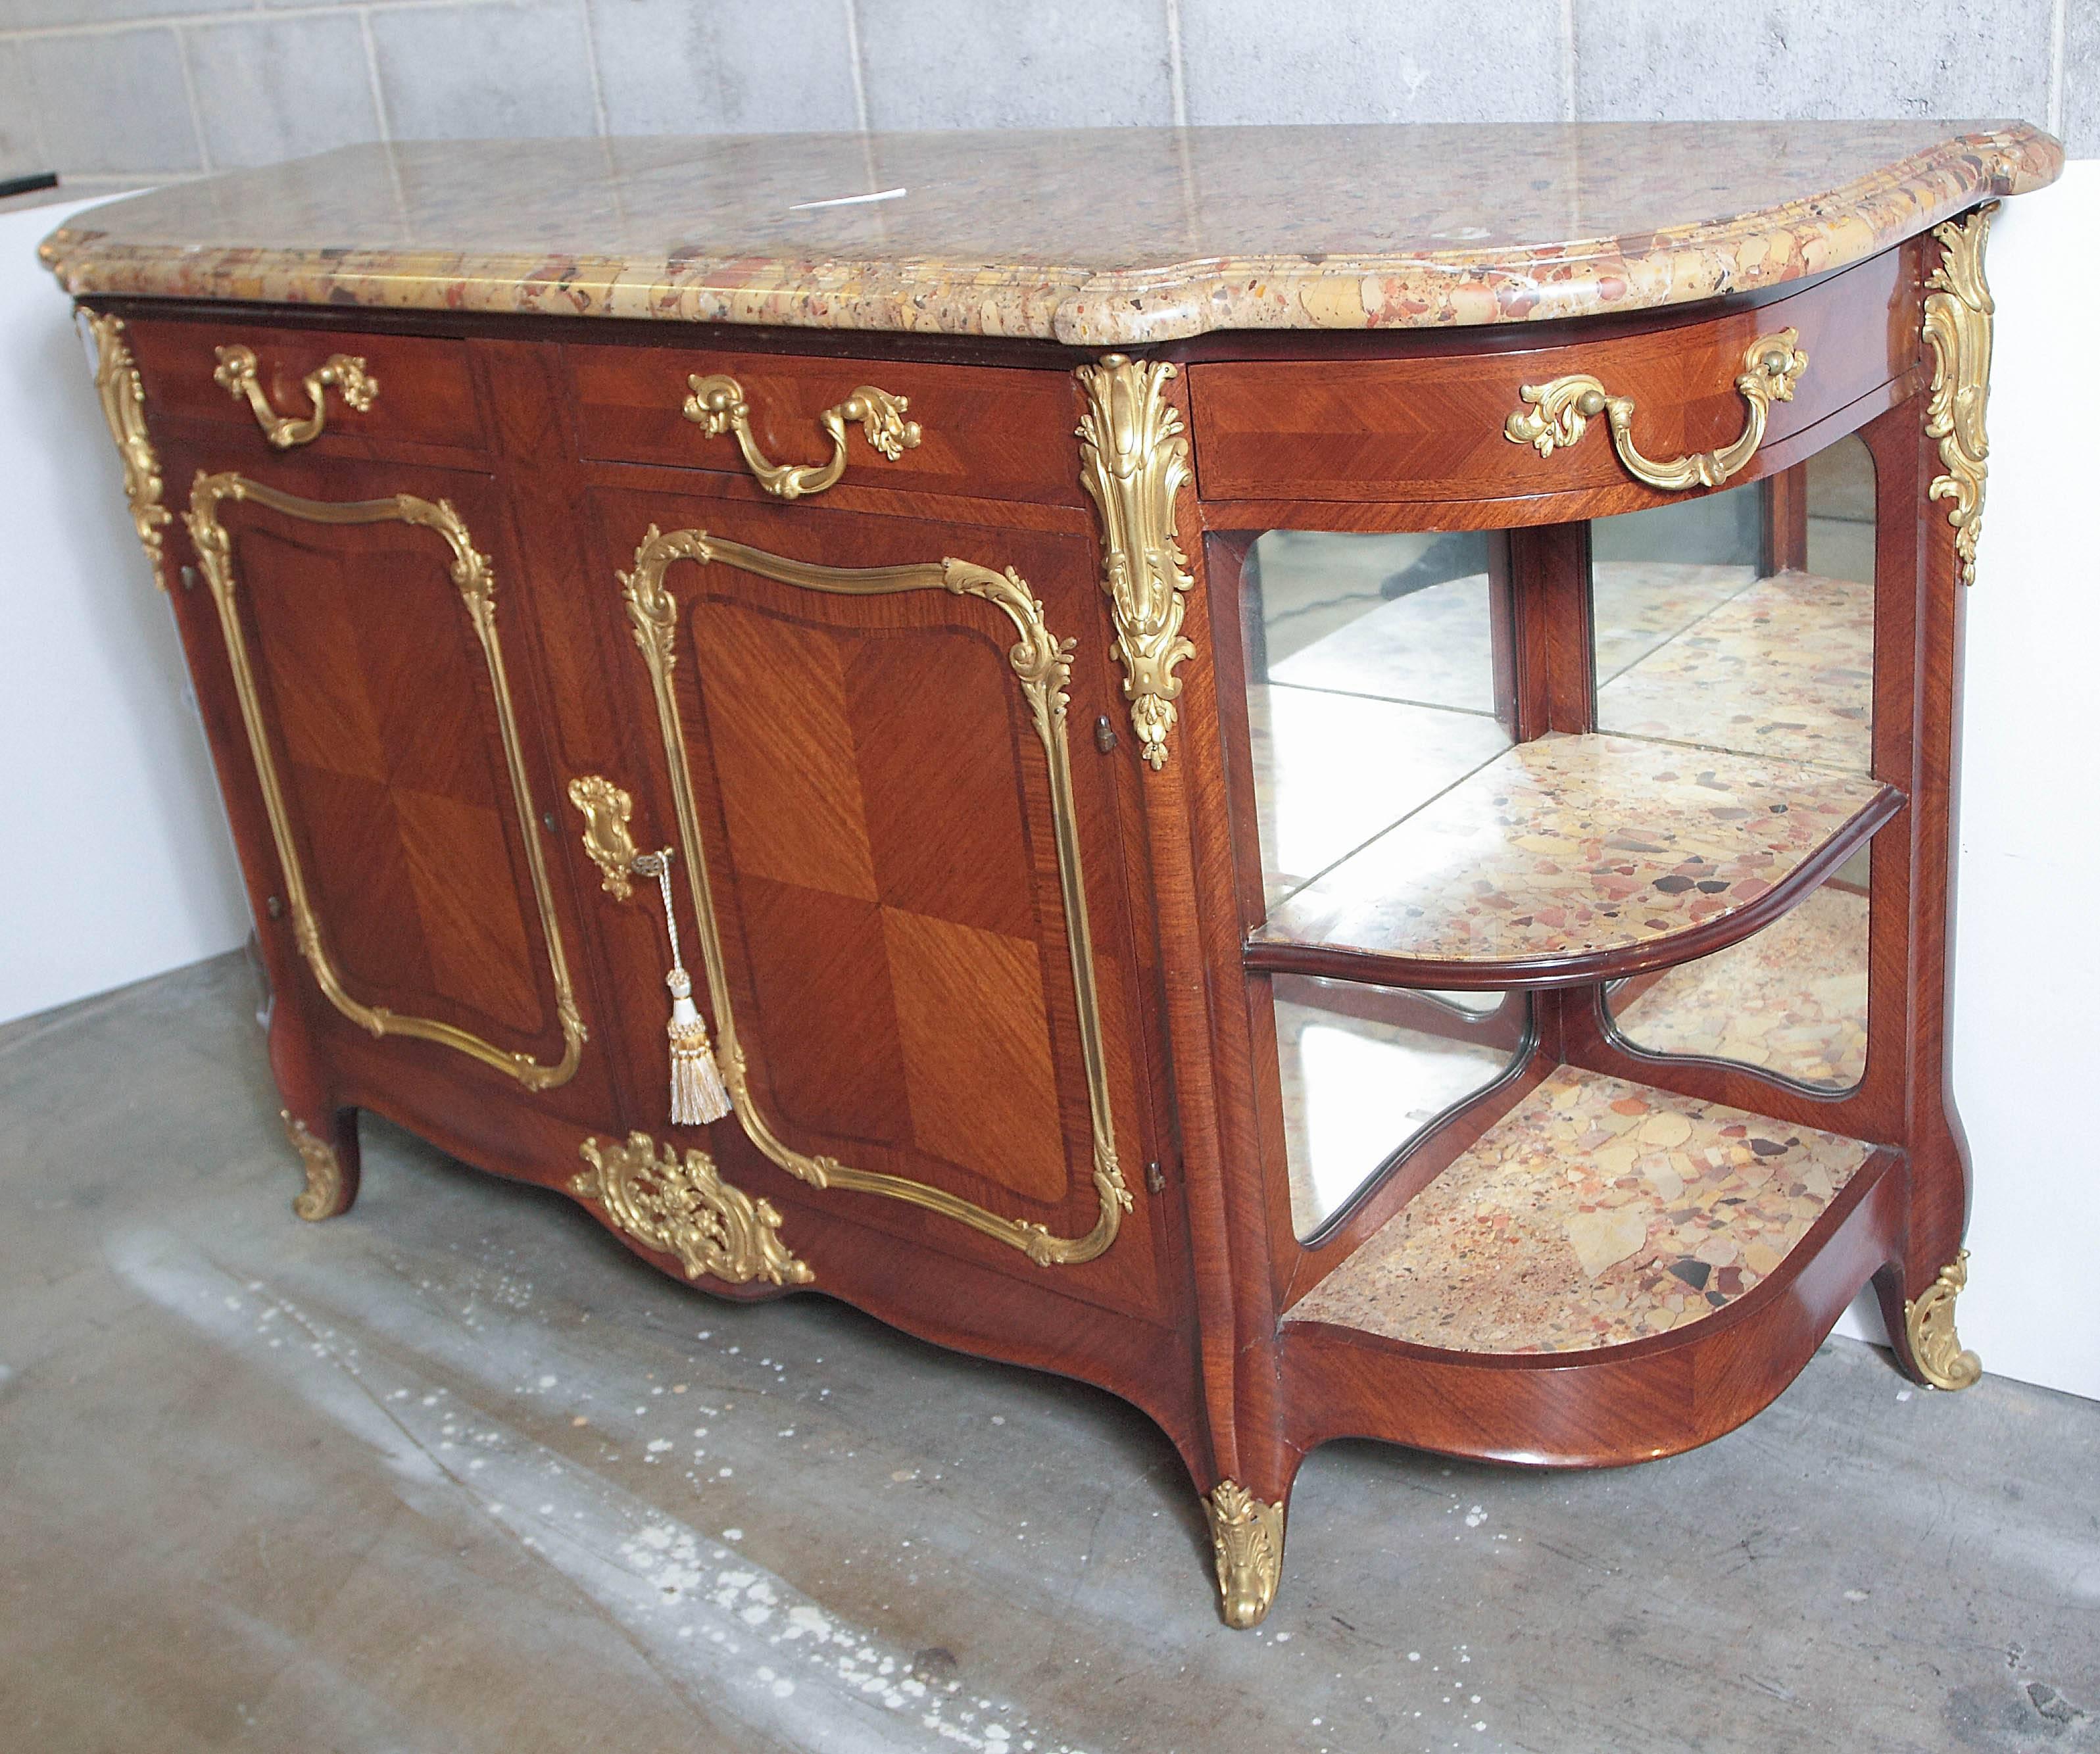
360, 620
902, 871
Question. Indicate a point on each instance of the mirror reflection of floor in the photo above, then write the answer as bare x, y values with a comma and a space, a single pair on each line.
1355, 1088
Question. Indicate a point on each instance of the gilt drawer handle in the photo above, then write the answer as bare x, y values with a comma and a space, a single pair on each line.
1560, 412
343, 371
717, 404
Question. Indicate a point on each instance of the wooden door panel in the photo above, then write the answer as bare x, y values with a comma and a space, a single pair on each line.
359, 627
778, 736
790, 783
929, 856
971, 1022
895, 851
845, 1077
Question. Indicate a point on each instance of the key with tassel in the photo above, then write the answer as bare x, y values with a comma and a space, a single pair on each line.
698, 1094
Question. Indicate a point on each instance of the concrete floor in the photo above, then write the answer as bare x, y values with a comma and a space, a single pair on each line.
455, 1473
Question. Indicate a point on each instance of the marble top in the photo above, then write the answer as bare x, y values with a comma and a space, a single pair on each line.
1098, 237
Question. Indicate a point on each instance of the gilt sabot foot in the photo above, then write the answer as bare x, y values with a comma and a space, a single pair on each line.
1246, 1538
1935, 1348
328, 1190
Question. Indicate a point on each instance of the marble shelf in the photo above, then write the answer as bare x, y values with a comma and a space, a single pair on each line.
1576, 858
1596, 1212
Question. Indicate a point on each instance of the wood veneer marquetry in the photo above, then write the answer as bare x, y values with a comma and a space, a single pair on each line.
983, 432
1432, 428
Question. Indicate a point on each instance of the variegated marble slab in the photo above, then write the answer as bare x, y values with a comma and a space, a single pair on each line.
1106, 236
1790, 1000
1573, 844
1596, 1212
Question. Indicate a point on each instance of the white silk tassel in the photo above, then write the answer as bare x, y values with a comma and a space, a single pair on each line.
698, 1094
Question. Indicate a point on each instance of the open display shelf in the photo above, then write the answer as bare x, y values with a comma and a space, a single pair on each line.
1573, 858
1507, 979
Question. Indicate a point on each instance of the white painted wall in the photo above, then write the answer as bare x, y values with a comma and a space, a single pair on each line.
115, 862
116, 865
2028, 916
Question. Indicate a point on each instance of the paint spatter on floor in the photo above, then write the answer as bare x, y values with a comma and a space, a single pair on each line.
716, 1623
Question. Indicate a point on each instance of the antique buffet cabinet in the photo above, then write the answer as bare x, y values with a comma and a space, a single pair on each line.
1325, 805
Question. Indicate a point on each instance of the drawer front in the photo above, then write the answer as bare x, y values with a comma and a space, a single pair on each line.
415, 389
1434, 426
984, 432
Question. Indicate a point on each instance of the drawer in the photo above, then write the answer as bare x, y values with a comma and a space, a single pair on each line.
984, 432
1432, 426
421, 387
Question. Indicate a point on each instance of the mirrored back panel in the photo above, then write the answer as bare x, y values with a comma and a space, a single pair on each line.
1744, 621
1378, 675
1369, 1072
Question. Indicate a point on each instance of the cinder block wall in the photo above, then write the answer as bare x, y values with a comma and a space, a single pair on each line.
123, 92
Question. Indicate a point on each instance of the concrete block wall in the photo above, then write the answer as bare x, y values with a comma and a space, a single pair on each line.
112, 92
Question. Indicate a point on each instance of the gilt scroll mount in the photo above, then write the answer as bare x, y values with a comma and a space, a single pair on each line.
605, 809
1134, 463
679, 1205
1929, 1325
1958, 316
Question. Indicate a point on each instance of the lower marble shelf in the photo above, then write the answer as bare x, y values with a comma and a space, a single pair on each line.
1595, 1213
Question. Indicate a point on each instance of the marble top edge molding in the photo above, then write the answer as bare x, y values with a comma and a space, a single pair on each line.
1007, 234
